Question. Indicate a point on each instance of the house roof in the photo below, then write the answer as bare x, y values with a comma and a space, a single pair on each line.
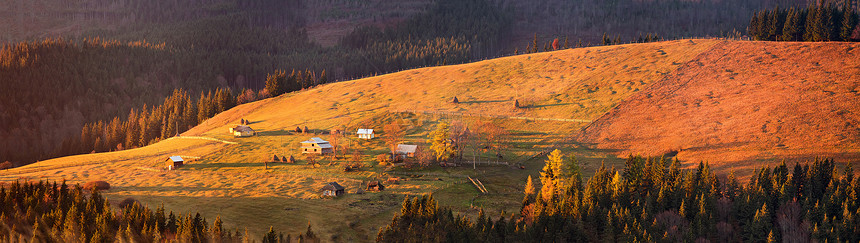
333, 186
176, 159
242, 128
315, 140
406, 148
364, 131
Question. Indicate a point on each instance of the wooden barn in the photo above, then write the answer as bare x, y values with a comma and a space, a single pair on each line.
332, 189
316, 146
365, 133
174, 162
242, 131
406, 150
375, 186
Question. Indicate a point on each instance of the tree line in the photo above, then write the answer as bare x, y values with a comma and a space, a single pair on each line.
479, 24
145, 126
278, 82
817, 22
50, 212
654, 200
556, 44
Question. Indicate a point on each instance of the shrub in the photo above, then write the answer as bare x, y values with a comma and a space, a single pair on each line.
97, 185
127, 202
5, 165
383, 158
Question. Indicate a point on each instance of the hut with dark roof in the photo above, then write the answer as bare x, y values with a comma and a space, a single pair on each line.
332, 189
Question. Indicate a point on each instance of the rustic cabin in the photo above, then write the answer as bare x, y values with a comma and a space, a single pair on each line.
332, 189
375, 186
316, 146
242, 131
405, 150
174, 162
365, 133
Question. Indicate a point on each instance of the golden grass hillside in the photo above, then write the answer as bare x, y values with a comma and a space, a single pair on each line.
570, 84
745, 104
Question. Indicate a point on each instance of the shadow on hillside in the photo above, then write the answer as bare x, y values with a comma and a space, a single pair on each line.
164, 188
255, 122
238, 165
482, 101
549, 105
274, 133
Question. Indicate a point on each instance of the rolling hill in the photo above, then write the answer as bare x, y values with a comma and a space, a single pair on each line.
643, 98
744, 103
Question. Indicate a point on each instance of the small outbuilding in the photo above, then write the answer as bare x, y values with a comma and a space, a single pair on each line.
242, 131
332, 189
365, 133
316, 146
405, 150
375, 186
174, 162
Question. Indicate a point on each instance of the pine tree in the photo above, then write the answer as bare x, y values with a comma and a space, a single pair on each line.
217, 229
275, 83
323, 79
849, 21
271, 236
810, 23
790, 29
753, 29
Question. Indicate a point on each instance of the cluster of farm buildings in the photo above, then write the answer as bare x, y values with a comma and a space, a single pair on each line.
314, 145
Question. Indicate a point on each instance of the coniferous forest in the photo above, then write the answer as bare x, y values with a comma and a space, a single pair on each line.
818, 22
653, 200
51, 212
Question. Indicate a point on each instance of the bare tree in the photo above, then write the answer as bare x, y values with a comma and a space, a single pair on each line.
459, 134
493, 137
335, 137
394, 133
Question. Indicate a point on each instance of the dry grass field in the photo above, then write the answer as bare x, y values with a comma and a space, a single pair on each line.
742, 105
625, 89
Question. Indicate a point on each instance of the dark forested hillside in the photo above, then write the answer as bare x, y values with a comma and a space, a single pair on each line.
654, 200
51, 212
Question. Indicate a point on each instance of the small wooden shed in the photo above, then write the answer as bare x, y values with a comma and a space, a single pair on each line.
332, 189
406, 150
242, 131
174, 162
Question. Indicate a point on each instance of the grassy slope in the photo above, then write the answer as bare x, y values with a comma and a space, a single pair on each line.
744, 104
230, 179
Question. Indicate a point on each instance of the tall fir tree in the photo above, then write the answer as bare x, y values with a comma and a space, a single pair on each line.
849, 22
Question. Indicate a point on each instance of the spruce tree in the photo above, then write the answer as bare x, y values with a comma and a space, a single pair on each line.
790, 28
810, 23
849, 21
753, 29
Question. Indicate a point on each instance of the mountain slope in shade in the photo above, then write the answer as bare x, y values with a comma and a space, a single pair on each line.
744, 103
